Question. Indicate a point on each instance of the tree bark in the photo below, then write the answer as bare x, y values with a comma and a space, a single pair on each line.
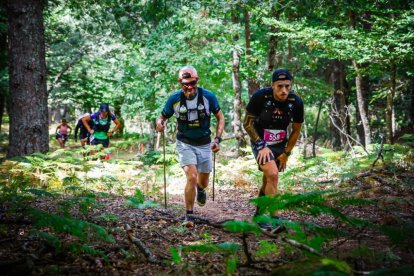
29, 129
338, 109
390, 106
237, 123
359, 82
3, 62
363, 112
252, 83
411, 93
315, 130
273, 59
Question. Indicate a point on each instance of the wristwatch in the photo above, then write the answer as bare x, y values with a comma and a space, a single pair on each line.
218, 138
287, 153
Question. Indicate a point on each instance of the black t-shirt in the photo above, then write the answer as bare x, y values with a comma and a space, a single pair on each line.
273, 117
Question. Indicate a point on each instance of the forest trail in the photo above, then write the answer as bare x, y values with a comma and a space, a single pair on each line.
144, 238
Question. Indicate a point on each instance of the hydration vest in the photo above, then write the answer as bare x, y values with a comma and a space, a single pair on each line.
203, 119
266, 118
102, 128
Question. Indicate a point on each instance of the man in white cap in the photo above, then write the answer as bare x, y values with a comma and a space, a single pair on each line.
193, 107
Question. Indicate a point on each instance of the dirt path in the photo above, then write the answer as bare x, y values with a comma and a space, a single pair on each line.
145, 249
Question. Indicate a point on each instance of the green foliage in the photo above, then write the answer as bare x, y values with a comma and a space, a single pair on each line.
266, 248
78, 228
138, 201
408, 139
84, 248
241, 227
228, 249
108, 217
314, 266
51, 239
175, 255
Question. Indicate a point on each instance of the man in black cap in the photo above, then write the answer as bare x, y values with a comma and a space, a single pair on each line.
100, 130
269, 113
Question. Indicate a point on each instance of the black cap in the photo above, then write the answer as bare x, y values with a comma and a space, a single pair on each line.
281, 74
104, 107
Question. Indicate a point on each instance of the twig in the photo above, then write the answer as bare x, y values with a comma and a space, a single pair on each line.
141, 246
294, 243
345, 240
246, 250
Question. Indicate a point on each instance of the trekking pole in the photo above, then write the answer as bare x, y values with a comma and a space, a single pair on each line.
165, 175
214, 171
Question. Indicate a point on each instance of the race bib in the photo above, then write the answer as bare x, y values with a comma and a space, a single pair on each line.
274, 136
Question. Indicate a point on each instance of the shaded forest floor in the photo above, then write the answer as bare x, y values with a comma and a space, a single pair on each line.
151, 241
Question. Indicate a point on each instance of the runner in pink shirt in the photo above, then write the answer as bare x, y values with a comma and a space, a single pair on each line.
63, 131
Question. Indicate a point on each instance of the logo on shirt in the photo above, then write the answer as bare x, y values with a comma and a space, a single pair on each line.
278, 112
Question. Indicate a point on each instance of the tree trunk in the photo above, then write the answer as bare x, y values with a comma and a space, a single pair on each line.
390, 107
363, 112
237, 123
315, 130
338, 109
359, 82
252, 83
3, 61
411, 114
273, 58
29, 129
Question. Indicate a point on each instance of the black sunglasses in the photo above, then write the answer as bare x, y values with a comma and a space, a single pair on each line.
191, 83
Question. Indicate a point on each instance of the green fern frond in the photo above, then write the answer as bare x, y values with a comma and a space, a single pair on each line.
79, 228
241, 227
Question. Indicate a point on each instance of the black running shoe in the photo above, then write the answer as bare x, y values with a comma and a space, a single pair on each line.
201, 196
274, 227
188, 221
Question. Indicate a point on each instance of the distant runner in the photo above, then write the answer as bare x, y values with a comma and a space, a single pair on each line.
83, 132
100, 130
63, 131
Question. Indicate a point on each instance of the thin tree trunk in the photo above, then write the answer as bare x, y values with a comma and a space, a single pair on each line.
338, 108
272, 56
237, 102
390, 106
237, 123
252, 83
29, 129
411, 113
3, 60
315, 130
361, 103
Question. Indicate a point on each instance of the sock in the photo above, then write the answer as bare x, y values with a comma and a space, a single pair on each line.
189, 212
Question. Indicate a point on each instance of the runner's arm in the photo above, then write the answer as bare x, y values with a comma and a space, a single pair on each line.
293, 138
85, 121
249, 127
161, 123
220, 124
57, 128
117, 125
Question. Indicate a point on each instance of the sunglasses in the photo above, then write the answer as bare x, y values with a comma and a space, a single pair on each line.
189, 84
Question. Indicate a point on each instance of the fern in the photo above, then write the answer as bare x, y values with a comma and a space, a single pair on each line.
78, 228
76, 248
